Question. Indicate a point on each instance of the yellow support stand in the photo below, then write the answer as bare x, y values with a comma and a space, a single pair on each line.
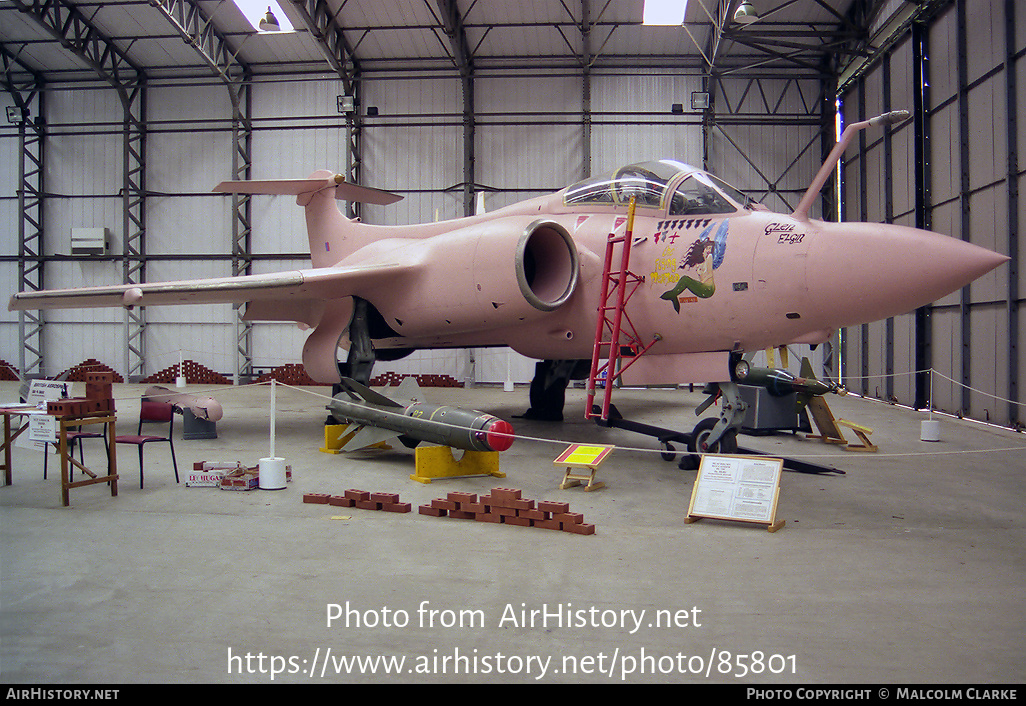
861, 432
335, 435
438, 462
824, 418
589, 457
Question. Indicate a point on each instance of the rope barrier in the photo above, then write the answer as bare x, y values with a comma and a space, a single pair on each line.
642, 450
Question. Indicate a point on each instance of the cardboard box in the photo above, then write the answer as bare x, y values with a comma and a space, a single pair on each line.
208, 474
242, 479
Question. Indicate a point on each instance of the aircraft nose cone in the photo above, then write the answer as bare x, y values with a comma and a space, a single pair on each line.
881, 271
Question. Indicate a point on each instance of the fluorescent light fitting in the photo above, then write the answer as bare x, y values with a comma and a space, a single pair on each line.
256, 12
664, 12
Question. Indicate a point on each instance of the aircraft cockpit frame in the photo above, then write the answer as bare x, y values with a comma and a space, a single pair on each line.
679, 189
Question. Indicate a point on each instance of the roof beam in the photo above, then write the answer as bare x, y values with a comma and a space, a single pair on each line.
66, 23
322, 24
199, 32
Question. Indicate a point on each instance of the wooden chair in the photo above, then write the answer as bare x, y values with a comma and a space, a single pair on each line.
152, 412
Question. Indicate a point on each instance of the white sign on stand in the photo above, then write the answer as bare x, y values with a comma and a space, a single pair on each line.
740, 488
43, 428
41, 392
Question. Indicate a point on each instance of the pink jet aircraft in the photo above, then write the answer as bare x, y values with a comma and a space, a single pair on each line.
720, 275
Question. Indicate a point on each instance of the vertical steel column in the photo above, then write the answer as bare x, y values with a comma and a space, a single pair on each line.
863, 211
923, 183
962, 61
586, 88
452, 25
888, 166
832, 357
133, 201
354, 152
31, 178
242, 223
1011, 103
469, 140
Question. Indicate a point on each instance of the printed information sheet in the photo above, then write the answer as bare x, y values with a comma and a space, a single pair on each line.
737, 488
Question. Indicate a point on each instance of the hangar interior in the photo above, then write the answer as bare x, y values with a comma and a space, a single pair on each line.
121, 117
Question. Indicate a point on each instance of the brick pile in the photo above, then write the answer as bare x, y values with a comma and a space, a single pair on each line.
289, 374
99, 398
506, 506
8, 372
501, 506
78, 372
192, 372
361, 499
422, 380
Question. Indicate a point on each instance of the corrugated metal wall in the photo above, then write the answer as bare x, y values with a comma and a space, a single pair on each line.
973, 60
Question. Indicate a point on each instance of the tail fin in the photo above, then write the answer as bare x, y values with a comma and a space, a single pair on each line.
317, 195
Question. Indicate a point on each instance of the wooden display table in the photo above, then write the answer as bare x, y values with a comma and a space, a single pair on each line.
64, 423
9, 411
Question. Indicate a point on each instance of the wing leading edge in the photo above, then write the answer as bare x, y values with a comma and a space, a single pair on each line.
313, 284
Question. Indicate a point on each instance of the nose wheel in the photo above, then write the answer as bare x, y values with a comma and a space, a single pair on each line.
704, 441
716, 435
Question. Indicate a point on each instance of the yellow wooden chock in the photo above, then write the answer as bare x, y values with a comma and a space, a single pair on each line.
335, 435
862, 432
439, 462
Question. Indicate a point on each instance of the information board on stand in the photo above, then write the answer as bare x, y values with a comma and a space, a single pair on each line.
738, 488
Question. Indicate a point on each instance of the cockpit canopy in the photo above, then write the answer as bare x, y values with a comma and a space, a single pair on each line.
650, 183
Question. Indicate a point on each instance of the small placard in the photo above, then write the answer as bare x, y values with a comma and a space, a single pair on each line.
43, 428
741, 488
588, 455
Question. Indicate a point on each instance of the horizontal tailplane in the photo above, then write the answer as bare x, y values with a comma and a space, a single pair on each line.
344, 190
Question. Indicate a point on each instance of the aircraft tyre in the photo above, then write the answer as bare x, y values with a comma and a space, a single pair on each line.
727, 444
668, 453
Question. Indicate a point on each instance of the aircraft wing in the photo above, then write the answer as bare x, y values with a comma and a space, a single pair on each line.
312, 284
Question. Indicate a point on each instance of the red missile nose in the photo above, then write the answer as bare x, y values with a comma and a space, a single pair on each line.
499, 435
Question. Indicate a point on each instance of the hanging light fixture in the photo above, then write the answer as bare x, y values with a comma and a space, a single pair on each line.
269, 23
745, 13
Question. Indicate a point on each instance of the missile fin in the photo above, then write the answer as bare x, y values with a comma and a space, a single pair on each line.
367, 436
365, 393
409, 391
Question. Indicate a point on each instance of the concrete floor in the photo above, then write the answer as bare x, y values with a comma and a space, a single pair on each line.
908, 567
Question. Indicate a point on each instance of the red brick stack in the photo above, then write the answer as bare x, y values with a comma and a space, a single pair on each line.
99, 398
8, 372
289, 374
361, 499
192, 372
506, 506
422, 380
100, 388
78, 372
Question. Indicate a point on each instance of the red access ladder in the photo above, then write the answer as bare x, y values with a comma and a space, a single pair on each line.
612, 338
